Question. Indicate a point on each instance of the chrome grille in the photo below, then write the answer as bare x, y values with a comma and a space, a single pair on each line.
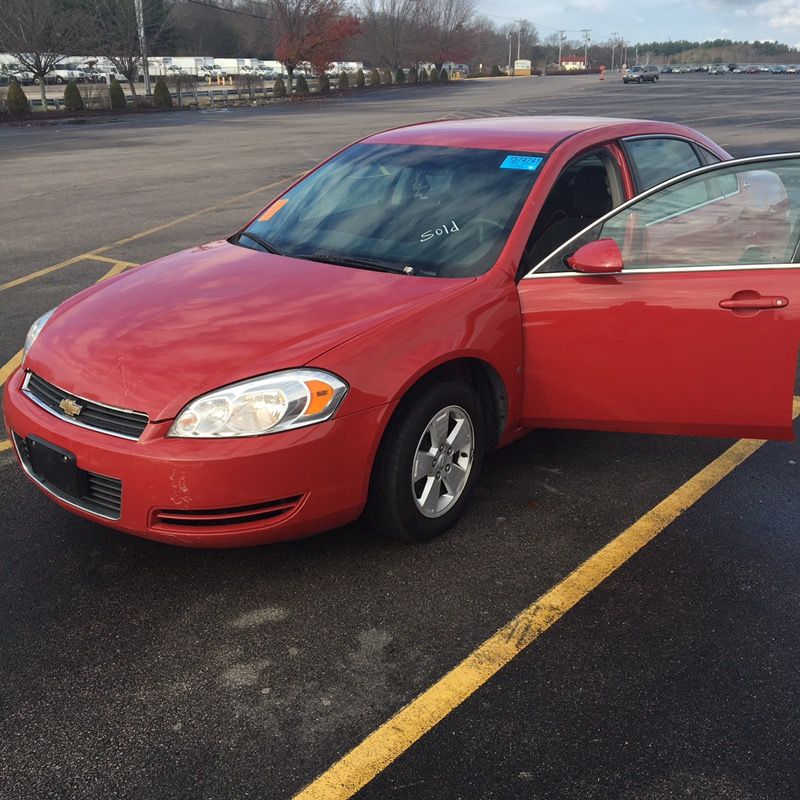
99, 417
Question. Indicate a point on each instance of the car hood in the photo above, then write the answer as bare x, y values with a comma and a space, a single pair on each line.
154, 338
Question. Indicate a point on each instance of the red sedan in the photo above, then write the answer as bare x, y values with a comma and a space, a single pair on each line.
425, 295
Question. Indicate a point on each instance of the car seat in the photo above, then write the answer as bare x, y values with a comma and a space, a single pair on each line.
591, 199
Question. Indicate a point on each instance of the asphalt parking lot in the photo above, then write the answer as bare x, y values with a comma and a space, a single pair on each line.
136, 670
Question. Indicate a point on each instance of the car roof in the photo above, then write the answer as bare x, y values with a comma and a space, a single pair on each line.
538, 134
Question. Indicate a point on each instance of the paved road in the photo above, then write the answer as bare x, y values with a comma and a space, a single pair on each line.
131, 669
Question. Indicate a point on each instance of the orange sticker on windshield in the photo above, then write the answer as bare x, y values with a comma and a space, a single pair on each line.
273, 209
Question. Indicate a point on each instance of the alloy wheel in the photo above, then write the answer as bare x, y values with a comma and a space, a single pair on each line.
443, 461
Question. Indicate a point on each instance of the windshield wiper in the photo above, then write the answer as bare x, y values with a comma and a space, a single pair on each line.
270, 248
358, 263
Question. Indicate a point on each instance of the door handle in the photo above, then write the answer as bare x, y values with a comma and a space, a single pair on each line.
750, 303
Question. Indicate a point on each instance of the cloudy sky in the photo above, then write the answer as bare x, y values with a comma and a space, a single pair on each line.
658, 19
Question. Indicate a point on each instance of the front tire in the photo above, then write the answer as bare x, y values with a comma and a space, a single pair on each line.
428, 462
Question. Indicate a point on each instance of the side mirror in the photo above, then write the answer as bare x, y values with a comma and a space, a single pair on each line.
598, 258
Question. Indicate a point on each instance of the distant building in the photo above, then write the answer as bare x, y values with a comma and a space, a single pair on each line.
573, 62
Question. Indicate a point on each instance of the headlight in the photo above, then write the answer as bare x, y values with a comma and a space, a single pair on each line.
35, 330
268, 404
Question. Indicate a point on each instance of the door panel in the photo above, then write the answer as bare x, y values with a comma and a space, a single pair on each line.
652, 349
655, 353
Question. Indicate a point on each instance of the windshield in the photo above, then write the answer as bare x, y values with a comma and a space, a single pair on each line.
436, 211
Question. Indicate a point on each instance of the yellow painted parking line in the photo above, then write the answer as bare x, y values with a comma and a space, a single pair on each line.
41, 272
119, 266
16, 360
369, 758
10, 366
108, 260
5, 371
94, 254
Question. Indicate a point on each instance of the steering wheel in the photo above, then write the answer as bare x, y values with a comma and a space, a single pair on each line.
482, 221
467, 244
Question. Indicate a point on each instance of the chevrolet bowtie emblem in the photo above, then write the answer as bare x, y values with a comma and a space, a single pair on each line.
70, 407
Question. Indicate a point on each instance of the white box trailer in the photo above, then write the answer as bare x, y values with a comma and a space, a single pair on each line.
347, 66
191, 65
165, 66
269, 70
233, 66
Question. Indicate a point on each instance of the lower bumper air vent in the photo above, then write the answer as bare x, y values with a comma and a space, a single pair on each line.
239, 516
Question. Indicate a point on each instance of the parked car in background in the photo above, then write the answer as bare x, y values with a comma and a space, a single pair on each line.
717, 69
211, 71
64, 73
93, 75
108, 72
23, 77
648, 72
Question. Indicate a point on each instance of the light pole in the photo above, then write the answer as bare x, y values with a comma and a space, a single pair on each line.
509, 51
142, 44
587, 35
562, 35
519, 36
613, 47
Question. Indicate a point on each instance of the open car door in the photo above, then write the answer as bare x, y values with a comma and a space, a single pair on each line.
679, 312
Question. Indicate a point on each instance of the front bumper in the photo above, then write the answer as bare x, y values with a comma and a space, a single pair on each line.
217, 492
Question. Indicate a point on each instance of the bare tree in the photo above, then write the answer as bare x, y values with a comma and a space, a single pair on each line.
388, 30
38, 33
115, 32
445, 34
201, 30
489, 46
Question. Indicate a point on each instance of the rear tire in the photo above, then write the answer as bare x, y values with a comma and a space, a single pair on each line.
428, 462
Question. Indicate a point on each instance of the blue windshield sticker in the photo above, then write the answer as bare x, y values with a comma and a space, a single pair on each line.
530, 163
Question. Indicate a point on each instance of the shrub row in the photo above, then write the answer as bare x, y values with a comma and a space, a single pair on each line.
16, 102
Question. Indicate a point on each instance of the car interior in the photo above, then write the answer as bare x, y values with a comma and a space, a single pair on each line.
587, 189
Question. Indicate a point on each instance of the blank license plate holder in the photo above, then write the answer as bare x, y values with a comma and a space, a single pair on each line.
56, 467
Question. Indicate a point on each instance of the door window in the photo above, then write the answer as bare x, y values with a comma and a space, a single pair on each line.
656, 160
727, 216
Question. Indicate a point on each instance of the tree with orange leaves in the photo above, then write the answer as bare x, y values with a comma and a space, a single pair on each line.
310, 31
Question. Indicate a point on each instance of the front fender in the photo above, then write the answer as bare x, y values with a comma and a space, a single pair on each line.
480, 320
